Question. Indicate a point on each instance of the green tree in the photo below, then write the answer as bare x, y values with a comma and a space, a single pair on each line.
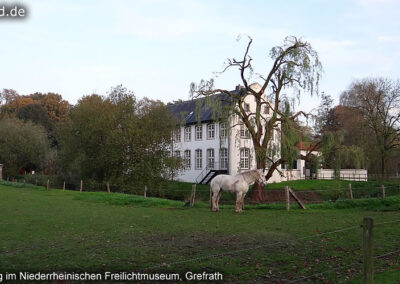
295, 65
22, 145
322, 118
116, 138
56, 107
11, 102
378, 101
36, 114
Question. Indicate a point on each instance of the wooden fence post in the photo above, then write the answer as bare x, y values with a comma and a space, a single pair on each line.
193, 195
48, 183
287, 198
81, 186
64, 186
108, 187
383, 191
296, 198
350, 191
145, 191
368, 225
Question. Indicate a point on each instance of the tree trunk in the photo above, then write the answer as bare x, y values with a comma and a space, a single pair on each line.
258, 193
383, 167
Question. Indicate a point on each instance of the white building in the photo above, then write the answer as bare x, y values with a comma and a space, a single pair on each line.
209, 147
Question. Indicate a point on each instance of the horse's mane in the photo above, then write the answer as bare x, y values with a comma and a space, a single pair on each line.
250, 174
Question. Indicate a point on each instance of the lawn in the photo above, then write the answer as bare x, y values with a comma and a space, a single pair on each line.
70, 231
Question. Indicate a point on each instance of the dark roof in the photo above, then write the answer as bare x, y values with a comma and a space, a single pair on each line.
186, 111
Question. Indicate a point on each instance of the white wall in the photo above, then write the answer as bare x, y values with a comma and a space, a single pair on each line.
236, 142
345, 174
190, 175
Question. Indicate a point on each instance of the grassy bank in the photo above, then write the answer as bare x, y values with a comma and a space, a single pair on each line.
387, 204
181, 191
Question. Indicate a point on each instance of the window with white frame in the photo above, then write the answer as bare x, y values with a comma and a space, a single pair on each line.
244, 158
246, 107
199, 159
222, 130
244, 132
266, 109
188, 133
177, 135
223, 156
210, 159
187, 159
211, 131
199, 132
177, 154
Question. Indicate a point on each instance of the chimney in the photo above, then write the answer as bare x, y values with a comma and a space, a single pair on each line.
238, 87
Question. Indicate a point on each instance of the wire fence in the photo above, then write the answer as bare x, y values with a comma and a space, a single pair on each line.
349, 262
180, 191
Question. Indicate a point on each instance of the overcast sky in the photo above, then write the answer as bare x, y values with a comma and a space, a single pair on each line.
157, 48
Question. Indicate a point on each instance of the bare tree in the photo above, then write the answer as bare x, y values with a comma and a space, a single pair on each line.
378, 100
295, 65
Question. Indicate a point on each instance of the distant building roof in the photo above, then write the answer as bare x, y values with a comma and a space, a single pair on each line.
307, 146
186, 110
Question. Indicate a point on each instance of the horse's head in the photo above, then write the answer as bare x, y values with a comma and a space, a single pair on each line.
261, 179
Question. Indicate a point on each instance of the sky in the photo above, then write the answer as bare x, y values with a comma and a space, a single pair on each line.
157, 48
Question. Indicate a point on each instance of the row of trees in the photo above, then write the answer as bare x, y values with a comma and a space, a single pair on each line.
363, 130
120, 138
116, 138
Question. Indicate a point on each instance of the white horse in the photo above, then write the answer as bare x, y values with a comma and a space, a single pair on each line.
238, 183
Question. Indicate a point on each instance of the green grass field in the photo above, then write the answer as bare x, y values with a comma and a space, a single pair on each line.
70, 231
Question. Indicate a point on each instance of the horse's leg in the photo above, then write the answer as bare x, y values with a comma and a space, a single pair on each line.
218, 197
238, 207
242, 201
214, 195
